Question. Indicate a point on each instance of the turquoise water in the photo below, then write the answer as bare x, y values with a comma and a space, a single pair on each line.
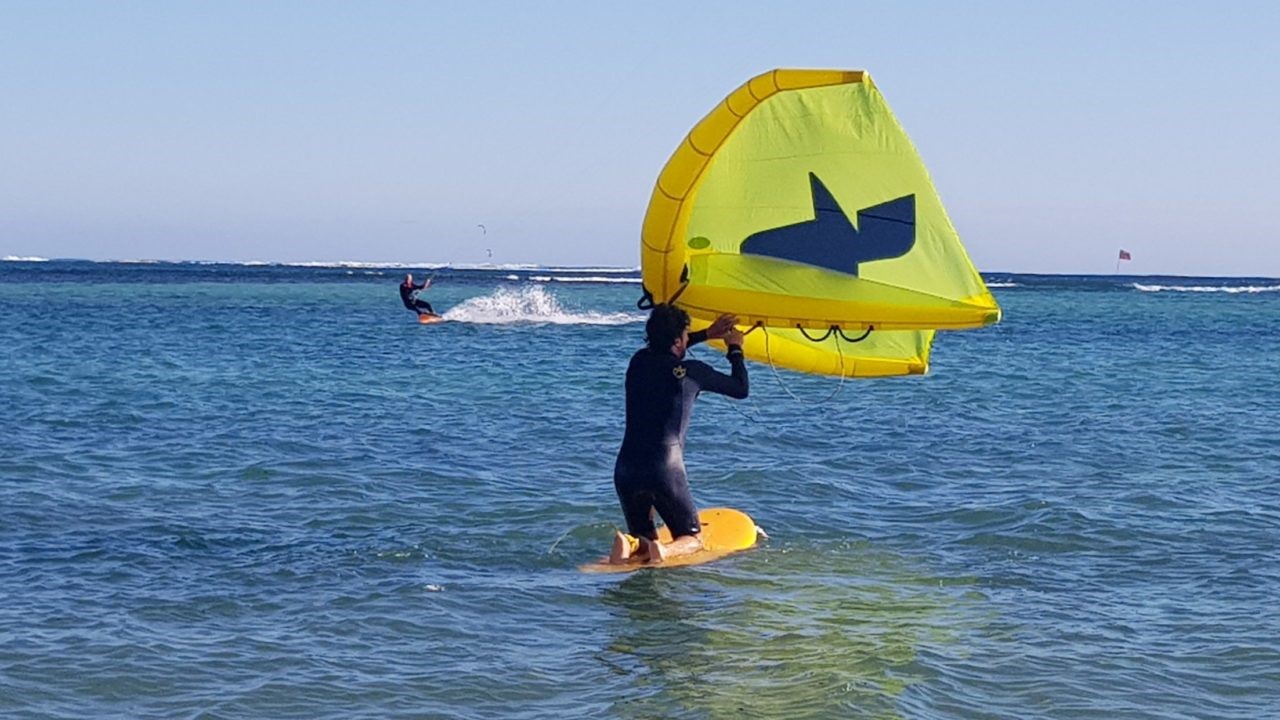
238, 491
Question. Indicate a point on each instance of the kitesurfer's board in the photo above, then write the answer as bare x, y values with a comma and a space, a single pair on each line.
429, 318
724, 531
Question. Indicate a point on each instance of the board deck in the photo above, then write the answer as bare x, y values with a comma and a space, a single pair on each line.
724, 531
429, 318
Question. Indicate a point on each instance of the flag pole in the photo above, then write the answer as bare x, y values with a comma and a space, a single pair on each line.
1123, 255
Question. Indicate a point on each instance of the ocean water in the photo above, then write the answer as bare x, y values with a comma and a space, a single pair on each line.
264, 491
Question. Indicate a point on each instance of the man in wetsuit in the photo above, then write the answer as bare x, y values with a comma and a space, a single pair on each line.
409, 295
649, 474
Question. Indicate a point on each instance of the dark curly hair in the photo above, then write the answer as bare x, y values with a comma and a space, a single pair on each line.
664, 326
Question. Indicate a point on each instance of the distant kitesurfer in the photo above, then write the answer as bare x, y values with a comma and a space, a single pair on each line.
409, 295
649, 474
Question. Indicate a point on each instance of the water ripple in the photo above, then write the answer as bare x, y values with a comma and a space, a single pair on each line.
244, 512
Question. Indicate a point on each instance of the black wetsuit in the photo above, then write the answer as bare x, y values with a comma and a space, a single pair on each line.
407, 297
649, 472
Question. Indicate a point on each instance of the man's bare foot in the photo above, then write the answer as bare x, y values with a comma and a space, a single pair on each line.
683, 545
624, 546
653, 551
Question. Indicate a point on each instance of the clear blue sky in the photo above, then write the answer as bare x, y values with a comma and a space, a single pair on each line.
1056, 133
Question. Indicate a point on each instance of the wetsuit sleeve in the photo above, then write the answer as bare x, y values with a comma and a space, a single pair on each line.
697, 337
711, 380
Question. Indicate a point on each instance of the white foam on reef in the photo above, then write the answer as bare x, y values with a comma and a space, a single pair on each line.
1003, 284
490, 266
503, 267
597, 279
368, 265
559, 269
582, 279
361, 265
1208, 288
530, 304
16, 258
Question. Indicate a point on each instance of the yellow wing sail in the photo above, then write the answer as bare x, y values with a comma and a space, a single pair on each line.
799, 204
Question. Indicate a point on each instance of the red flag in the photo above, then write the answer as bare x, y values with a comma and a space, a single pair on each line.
1124, 255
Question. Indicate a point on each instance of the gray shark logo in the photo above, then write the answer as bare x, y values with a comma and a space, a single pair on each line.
830, 240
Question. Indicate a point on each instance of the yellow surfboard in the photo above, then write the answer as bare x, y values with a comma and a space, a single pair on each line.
724, 531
